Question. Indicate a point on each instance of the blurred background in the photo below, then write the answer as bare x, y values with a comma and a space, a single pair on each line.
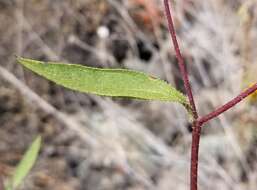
96, 143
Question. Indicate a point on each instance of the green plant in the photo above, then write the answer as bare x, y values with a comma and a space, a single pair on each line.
133, 84
106, 82
25, 165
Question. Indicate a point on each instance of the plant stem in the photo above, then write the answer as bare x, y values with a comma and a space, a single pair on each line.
194, 154
228, 105
181, 62
197, 123
196, 126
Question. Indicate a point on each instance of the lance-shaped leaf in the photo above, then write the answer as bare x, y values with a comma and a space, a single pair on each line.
106, 82
25, 164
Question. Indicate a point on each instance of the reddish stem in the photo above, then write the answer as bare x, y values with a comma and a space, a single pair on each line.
228, 105
197, 123
181, 63
194, 154
196, 127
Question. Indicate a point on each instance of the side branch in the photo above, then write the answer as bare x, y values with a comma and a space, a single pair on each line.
228, 105
181, 63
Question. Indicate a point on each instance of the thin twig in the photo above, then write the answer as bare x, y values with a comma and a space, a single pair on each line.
63, 118
228, 105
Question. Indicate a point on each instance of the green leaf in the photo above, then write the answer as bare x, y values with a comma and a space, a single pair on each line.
106, 82
25, 164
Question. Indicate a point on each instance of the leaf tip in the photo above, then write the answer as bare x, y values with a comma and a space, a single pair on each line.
38, 140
